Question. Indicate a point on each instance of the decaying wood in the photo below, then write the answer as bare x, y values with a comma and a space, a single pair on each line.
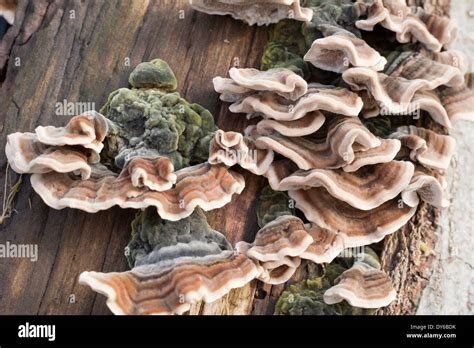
408, 254
81, 51
407, 257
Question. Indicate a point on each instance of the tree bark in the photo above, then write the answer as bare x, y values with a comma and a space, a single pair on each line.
82, 51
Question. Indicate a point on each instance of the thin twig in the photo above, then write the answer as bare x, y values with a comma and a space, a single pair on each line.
8, 199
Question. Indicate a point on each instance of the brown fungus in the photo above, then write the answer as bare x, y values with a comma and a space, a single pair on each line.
426, 147
357, 227
362, 286
431, 30
203, 185
260, 12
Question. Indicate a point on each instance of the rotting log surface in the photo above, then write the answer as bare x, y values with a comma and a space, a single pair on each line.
80, 52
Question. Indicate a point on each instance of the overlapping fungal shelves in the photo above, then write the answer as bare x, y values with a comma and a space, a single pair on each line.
146, 150
360, 149
348, 127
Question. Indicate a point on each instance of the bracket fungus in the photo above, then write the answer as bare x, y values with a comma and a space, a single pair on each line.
343, 148
357, 227
283, 82
341, 142
27, 155
337, 290
426, 187
8, 9
284, 240
317, 97
88, 130
431, 30
341, 50
260, 12
231, 148
345, 166
362, 286
426, 147
174, 264
148, 132
363, 189
203, 185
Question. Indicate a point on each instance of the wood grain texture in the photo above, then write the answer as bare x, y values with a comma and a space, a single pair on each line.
83, 59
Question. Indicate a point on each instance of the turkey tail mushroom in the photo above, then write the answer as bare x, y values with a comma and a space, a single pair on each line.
234, 148
156, 174
174, 264
283, 82
335, 146
203, 185
88, 130
364, 189
357, 227
431, 30
337, 100
26, 154
342, 50
260, 12
281, 243
426, 147
425, 187
362, 286
170, 287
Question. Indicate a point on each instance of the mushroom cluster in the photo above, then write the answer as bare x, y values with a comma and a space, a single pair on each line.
147, 150
174, 264
260, 12
344, 123
340, 289
339, 126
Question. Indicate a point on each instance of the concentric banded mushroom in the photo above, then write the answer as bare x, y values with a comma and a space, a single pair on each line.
88, 130
203, 185
341, 50
174, 264
152, 130
281, 243
157, 174
283, 82
357, 227
306, 125
27, 155
426, 147
175, 284
285, 236
426, 187
231, 148
429, 29
457, 101
260, 12
336, 146
362, 286
364, 189
318, 97
393, 93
